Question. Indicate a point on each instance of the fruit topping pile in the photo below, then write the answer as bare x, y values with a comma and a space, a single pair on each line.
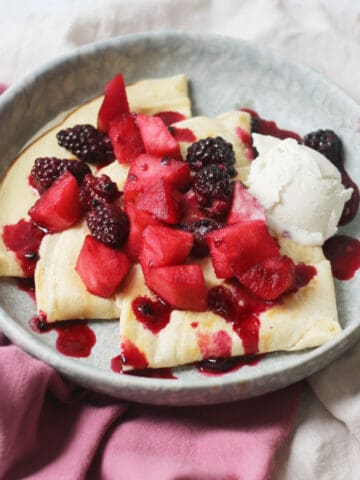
172, 210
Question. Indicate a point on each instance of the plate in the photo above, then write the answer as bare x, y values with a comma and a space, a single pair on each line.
224, 73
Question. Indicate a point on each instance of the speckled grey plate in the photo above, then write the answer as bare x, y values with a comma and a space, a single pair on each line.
225, 74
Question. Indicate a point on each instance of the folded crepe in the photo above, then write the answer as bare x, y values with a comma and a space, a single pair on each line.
304, 319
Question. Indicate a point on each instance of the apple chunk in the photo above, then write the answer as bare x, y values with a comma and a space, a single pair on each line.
101, 268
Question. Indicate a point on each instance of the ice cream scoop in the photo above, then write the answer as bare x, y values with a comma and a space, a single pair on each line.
300, 189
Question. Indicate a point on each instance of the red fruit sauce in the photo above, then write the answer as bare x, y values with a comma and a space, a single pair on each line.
169, 117
153, 314
27, 285
132, 356
166, 373
343, 252
75, 338
220, 366
182, 134
304, 274
117, 366
242, 309
352, 205
24, 238
246, 139
269, 127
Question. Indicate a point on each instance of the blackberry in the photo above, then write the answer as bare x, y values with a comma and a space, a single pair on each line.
211, 151
95, 190
213, 191
108, 224
200, 229
327, 143
47, 169
87, 143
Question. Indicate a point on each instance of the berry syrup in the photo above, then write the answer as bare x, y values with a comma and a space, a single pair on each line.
27, 285
343, 252
75, 338
352, 205
264, 127
220, 366
170, 117
246, 139
117, 366
153, 314
182, 134
24, 238
268, 127
304, 274
132, 356
242, 309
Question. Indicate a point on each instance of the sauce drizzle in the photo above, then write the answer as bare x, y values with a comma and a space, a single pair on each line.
75, 338
24, 238
343, 252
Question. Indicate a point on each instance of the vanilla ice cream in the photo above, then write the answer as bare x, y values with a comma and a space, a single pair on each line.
300, 189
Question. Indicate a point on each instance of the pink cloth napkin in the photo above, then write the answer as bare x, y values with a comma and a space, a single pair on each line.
51, 429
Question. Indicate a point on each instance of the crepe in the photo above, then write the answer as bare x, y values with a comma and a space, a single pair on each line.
59, 290
304, 319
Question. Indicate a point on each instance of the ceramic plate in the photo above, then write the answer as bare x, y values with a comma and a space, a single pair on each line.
224, 74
